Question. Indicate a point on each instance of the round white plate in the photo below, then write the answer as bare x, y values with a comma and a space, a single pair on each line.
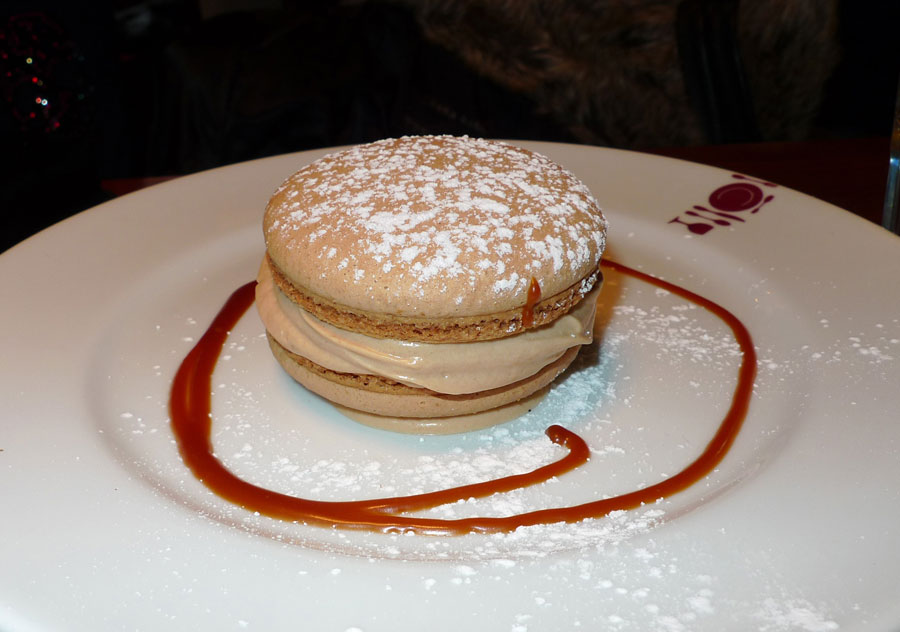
104, 528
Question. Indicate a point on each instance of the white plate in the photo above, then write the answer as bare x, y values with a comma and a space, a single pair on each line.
104, 528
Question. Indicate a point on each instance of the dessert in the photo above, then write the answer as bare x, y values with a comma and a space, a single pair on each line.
190, 407
430, 277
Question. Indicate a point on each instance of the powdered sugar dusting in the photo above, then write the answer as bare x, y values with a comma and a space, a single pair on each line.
437, 215
599, 398
645, 569
793, 614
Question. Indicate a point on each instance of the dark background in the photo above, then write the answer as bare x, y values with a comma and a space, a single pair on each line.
99, 90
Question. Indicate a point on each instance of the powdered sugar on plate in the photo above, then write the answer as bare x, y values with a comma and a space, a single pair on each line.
303, 447
646, 397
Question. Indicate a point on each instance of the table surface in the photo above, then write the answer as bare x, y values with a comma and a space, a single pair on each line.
849, 173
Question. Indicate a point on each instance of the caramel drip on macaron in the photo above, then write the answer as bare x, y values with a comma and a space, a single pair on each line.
534, 295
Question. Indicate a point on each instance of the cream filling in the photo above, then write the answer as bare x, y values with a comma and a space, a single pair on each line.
453, 368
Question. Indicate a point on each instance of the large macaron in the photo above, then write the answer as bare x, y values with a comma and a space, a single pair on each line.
431, 276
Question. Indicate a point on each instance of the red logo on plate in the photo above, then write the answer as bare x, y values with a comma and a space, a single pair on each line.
728, 203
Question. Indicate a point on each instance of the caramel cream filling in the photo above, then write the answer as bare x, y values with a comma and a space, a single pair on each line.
452, 368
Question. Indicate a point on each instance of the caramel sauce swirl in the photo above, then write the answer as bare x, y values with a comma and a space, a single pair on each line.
191, 414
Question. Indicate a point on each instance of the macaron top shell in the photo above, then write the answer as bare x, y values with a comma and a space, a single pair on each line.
434, 227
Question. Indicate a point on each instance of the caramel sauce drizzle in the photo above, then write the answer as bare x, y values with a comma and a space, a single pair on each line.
531, 300
191, 414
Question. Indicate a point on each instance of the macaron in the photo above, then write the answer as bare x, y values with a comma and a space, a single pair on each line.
430, 277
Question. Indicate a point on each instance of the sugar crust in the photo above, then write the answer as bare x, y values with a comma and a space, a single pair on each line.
434, 227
